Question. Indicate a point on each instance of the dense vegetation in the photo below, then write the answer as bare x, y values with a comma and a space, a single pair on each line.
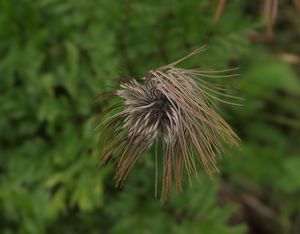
55, 56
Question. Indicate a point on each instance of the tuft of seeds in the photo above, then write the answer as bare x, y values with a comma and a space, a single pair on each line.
175, 106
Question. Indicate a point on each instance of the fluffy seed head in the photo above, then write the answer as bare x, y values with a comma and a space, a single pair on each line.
174, 106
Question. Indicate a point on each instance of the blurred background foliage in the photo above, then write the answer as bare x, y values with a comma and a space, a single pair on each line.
55, 56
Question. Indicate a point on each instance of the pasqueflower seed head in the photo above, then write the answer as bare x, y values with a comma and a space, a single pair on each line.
175, 106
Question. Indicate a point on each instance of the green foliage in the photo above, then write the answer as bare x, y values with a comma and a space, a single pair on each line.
57, 55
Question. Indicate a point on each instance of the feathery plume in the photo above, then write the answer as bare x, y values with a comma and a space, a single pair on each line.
175, 106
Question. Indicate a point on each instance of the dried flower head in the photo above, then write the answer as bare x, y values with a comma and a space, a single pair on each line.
173, 105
